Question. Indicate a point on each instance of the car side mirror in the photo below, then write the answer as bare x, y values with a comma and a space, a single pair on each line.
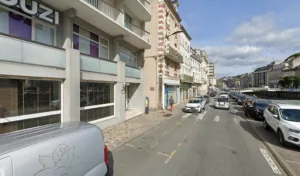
275, 116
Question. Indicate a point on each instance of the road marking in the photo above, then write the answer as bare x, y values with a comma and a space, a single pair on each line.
295, 162
270, 161
163, 154
178, 123
185, 116
170, 157
153, 145
130, 145
217, 118
235, 121
200, 116
179, 144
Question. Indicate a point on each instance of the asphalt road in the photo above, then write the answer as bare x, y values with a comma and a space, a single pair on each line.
213, 143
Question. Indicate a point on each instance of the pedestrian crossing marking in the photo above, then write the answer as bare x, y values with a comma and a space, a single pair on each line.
200, 116
185, 116
217, 118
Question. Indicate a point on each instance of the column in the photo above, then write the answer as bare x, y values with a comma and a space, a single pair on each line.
120, 92
71, 87
65, 29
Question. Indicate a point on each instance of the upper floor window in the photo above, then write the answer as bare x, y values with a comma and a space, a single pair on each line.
129, 57
90, 43
14, 22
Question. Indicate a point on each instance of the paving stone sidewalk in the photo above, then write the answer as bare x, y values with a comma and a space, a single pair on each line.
119, 134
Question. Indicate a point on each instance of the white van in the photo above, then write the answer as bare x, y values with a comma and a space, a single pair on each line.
75, 148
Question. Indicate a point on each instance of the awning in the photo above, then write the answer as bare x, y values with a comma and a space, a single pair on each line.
171, 82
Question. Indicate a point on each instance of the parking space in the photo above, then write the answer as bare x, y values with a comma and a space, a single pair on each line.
288, 156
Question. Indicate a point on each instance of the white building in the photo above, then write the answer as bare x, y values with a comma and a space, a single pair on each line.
212, 75
204, 71
81, 62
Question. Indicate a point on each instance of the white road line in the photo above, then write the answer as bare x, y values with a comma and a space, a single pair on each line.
163, 154
185, 116
235, 121
295, 162
217, 118
200, 116
270, 161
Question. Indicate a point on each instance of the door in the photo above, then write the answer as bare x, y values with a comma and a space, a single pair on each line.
166, 97
275, 120
268, 114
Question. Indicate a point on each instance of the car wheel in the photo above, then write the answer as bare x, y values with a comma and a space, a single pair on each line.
281, 138
265, 125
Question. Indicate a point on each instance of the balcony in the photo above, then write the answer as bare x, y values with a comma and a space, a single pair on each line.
32, 53
141, 8
132, 72
97, 65
186, 78
173, 55
105, 17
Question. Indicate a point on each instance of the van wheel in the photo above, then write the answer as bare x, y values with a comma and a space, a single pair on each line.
281, 138
265, 125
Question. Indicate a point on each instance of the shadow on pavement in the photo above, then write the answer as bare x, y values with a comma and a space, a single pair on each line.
111, 163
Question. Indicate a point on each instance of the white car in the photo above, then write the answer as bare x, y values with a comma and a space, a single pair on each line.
203, 101
222, 103
224, 94
193, 104
284, 119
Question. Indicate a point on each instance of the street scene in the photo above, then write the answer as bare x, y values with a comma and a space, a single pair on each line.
149, 88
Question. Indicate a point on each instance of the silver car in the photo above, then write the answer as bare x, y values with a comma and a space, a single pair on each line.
74, 148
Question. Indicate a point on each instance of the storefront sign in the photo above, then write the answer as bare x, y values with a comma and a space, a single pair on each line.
36, 9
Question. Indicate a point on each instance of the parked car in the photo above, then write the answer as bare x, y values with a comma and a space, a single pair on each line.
74, 148
203, 101
193, 104
222, 103
248, 99
241, 99
256, 108
213, 94
284, 119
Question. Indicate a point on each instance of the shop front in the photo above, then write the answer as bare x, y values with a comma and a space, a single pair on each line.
170, 89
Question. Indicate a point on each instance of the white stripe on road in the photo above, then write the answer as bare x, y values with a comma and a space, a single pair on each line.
235, 121
185, 116
270, 161
217, 118
200, 116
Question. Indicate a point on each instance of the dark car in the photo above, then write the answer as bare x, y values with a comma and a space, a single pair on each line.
256, 109
213, 94
241, 99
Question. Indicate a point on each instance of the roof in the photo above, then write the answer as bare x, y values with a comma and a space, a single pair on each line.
287, 106
185, 32
172, 8
292, 56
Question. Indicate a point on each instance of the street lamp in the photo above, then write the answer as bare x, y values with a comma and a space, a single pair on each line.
176, 32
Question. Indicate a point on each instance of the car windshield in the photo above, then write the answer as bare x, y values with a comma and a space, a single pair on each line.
291, 114
222, 100
261, 104
194, 101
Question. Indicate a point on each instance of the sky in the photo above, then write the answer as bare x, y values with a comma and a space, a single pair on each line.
241, 35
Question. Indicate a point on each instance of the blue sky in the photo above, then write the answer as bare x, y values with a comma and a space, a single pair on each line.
241, 35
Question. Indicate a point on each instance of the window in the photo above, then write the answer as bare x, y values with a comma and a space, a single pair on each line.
14, 23
128, 21
24, 97
129, 57
92, 94
90, 43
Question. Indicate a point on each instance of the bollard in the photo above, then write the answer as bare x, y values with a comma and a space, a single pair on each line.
147, 105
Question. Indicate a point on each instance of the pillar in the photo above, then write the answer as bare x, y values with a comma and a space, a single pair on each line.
120, 92
71, 87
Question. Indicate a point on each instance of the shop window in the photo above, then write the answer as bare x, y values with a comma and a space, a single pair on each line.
96, 93
24, 97
89, 43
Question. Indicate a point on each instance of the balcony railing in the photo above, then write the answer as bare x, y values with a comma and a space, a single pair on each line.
186, 78
175, 56
29, 52
140, 32
132, 72
97, 65
118, 16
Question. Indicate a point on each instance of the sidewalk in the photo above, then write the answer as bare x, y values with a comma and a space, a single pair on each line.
119, 134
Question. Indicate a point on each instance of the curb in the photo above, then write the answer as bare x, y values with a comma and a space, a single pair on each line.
287, 169
126, 141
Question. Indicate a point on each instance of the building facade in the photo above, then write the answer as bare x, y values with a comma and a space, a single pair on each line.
196, 70
246, 80
204, 71
212, 75
276, 74
162, 62
261, 75
71, 60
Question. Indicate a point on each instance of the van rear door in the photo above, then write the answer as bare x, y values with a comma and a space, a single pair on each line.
6, 167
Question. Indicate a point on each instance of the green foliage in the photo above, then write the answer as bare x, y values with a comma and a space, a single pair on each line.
290, 82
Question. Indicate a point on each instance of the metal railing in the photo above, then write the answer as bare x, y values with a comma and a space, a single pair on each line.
146, 4
118, 16
140, 32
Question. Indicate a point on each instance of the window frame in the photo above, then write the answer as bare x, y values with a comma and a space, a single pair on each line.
99, 40
34, 20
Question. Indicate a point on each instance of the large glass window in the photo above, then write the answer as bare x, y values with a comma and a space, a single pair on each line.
96, 93
88, 43
129, 57
14, 23
23, 97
